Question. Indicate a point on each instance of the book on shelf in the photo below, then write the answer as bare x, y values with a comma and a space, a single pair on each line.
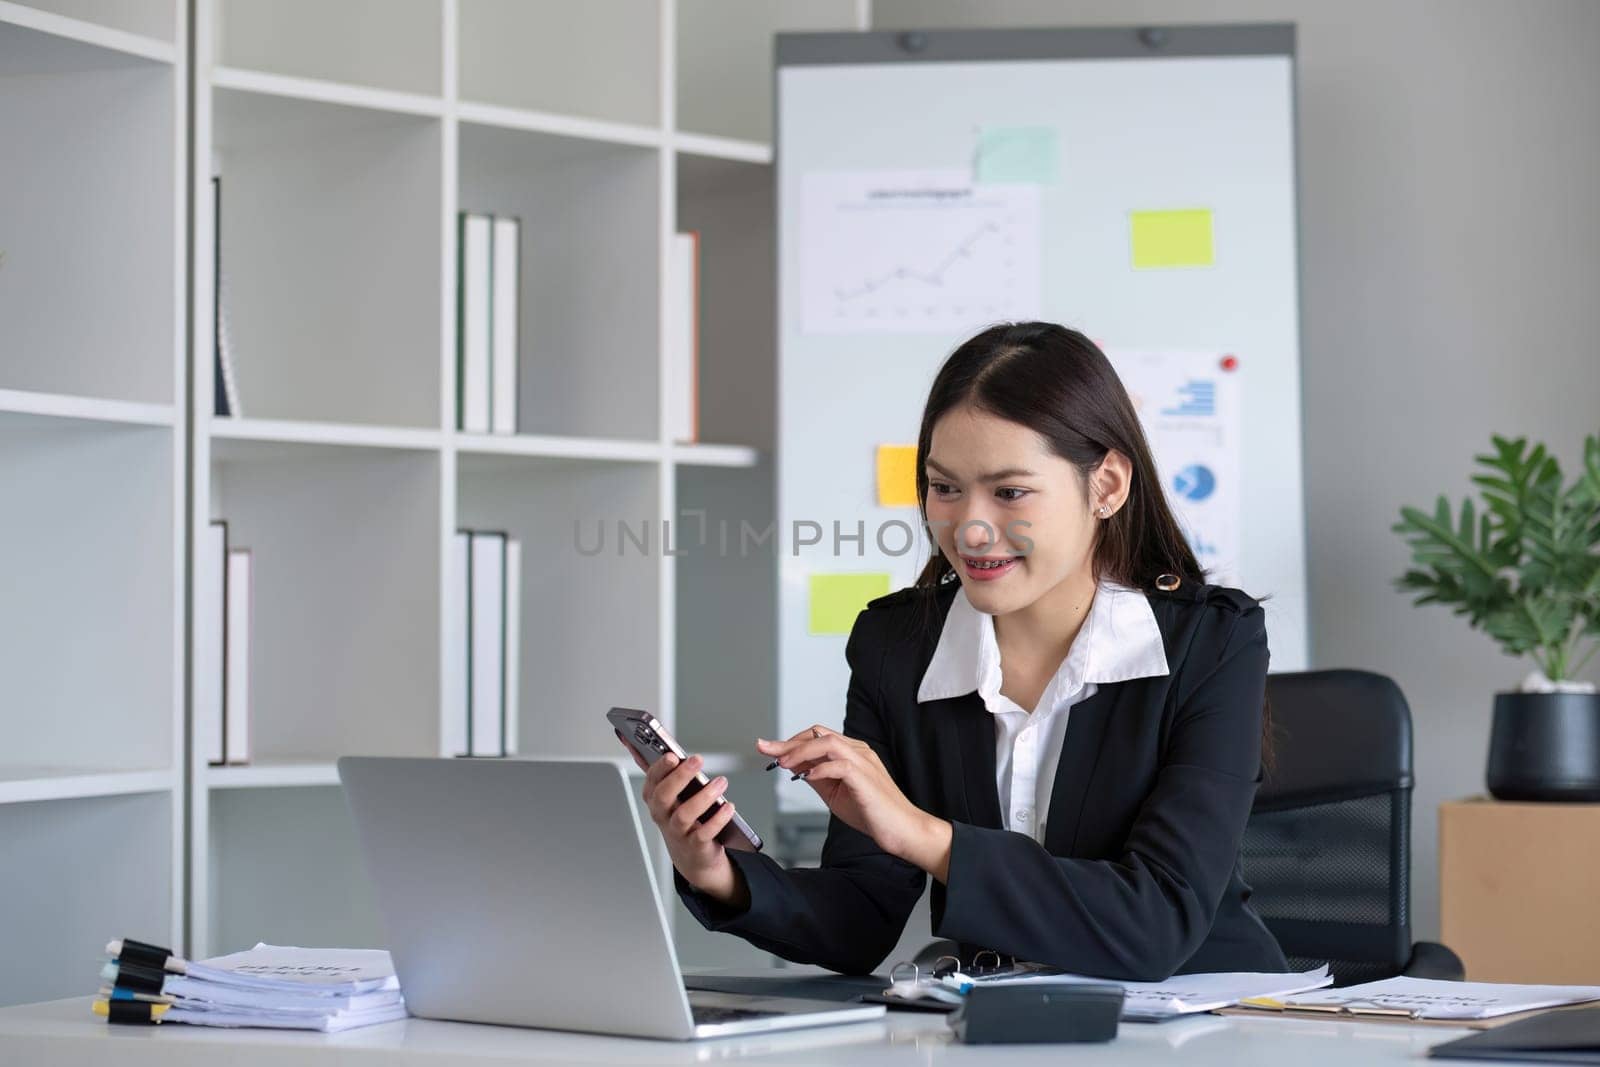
513, 645
506, 240
223, 591
487, 649
236, 718
225, 386
210, 608
472, 322
483, 634
683, 338
456, 688
488, 322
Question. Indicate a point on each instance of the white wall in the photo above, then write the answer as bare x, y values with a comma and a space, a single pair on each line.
1450, 281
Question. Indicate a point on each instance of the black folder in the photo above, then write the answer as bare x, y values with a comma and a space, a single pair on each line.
1567, 1035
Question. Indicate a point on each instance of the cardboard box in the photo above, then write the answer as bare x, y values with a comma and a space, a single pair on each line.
1519, 890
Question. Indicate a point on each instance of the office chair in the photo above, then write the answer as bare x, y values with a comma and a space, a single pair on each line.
1327, 850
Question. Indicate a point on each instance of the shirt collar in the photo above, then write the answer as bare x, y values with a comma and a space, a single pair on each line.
1120, 640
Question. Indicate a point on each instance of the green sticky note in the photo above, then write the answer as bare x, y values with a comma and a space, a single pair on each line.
1165, 239
836, 599
1017, 155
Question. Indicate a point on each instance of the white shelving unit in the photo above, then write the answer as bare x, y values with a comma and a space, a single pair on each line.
348, 135
27, 785
92, 431
85, 409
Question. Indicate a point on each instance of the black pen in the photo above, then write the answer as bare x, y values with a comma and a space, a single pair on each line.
792, 777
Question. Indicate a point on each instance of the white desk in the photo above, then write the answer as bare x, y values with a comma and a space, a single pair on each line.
64, 1032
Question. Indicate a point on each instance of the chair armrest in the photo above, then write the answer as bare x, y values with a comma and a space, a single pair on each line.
933, 950
1429, 959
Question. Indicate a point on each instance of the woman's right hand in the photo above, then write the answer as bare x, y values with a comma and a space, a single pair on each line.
692, 844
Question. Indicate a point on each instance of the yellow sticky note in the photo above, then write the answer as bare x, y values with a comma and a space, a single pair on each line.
1164, 239
836, 599
897, 476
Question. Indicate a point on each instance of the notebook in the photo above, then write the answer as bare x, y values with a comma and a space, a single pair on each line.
1479, 1005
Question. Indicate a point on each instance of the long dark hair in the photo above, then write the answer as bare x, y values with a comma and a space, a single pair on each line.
1058, 383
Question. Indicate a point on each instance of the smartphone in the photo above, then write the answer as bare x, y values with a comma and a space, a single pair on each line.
643, 733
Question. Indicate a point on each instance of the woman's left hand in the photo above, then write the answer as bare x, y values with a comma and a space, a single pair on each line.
853, 783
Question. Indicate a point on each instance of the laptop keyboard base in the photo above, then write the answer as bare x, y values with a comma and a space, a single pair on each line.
710, 1015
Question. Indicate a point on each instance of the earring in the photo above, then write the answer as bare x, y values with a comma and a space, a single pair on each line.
1104, 511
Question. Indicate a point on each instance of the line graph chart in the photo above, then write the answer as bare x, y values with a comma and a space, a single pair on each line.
934, 277
916, 252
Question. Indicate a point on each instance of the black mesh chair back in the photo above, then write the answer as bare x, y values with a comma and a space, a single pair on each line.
1328, 847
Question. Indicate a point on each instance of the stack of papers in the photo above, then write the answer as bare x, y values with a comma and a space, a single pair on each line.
270, 985
1422, 998
1187, 994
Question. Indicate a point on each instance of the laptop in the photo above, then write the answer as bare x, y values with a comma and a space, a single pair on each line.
520, 892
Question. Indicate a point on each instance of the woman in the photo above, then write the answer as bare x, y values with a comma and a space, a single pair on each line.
1059, 722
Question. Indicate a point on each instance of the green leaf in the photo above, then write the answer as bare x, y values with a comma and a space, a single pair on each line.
1502, 485
1522, 560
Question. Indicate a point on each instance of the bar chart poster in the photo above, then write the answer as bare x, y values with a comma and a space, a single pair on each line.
1189, 406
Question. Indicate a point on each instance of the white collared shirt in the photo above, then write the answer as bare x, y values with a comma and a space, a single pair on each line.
1119, 640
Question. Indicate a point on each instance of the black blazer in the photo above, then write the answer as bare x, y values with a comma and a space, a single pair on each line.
1139, 874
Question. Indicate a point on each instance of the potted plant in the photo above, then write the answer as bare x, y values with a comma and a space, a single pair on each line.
1525, 569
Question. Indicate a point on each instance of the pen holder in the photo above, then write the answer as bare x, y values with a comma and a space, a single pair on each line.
1037, 1013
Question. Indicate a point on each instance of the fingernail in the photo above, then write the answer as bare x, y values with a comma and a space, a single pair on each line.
721, 783
771, 765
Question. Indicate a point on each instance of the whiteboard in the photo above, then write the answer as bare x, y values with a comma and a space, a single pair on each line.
896, 244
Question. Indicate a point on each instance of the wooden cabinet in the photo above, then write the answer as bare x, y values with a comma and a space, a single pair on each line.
1518, 889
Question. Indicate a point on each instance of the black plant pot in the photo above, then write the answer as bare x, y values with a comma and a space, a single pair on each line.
1545, 746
